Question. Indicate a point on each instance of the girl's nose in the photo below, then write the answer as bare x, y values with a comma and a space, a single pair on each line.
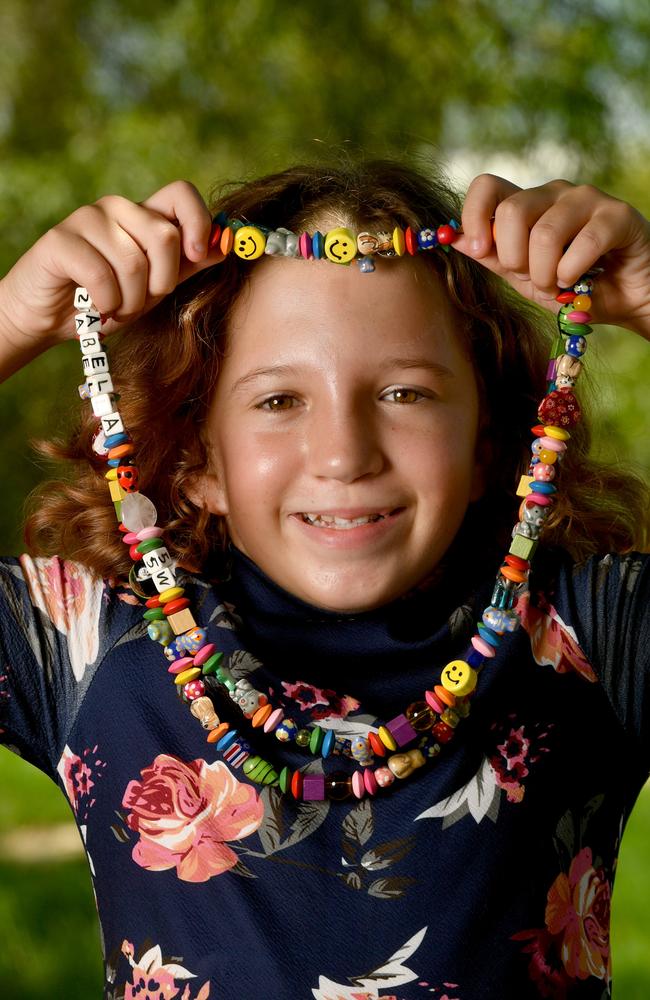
344, 445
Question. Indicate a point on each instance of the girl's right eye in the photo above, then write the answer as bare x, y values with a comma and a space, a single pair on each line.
275, 403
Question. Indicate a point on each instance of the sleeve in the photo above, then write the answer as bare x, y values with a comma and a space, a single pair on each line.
49, 649
607, 601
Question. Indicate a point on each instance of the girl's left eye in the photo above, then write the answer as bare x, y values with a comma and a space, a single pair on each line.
401, 394
274, 403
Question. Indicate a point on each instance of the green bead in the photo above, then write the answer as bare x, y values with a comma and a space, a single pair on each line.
118, 509
285, 779
523, 547
210, 666
303, 736
154, 614
261, 771
316, 740
149, 545
250, 764
576, 329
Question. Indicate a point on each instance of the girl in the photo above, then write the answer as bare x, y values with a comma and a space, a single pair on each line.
365, 782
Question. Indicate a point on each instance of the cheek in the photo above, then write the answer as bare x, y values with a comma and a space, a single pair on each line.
255, 469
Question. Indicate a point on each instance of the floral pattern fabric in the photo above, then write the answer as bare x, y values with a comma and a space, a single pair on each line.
489, 873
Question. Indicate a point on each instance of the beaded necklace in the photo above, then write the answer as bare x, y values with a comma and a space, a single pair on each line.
196, 664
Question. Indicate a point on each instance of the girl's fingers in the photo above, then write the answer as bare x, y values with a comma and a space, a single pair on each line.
181, 204
483, 196
614, 226
70, 257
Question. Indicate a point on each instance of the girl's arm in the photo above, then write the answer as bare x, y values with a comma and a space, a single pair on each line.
548, 236
128, 256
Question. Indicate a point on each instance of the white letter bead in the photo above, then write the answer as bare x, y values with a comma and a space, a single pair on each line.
163, 579
88, 322
112, 423
90, 343
95, 364
82, 299
157, 558
102, 405
99, 384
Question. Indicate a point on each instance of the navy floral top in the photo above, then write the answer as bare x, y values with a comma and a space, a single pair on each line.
486, 874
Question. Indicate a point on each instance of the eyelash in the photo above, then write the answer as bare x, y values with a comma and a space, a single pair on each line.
285, 395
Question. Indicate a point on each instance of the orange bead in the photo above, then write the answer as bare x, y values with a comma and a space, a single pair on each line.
444, 695
261, 715
510, 573
215, 734
178, 604
227, 240
121, 450
582, 303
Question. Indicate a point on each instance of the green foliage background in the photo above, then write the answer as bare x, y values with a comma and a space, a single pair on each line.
114, 97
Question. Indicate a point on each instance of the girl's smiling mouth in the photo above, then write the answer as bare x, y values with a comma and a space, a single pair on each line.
348, 527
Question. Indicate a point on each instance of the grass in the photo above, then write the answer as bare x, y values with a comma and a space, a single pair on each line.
50, 932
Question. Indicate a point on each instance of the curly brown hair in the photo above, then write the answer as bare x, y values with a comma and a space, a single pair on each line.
166, 364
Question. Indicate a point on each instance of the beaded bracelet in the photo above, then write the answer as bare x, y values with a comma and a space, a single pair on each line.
195, 662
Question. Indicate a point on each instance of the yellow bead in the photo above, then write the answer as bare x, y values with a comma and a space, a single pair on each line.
399, 243
458, 678
110, 475
547, 456
558, 433
524, 486
182, 621
171, 594
582, 303
340, 245
386, 738
249, 242
187, 675
117, 493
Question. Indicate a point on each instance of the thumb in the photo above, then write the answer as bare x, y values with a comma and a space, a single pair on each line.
191, 267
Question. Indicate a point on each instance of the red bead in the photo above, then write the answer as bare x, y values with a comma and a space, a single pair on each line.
538, 430
376, 745
153, 602
127, 477
446, 235
560, 408
135, 555
442, 732
215, 235
176, 605
517, 562
411, 240
123, 528
565, 297
296, 785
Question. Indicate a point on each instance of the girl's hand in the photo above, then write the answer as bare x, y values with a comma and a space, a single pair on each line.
128, 256
550, 235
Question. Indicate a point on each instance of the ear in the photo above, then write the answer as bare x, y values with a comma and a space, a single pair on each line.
205, 491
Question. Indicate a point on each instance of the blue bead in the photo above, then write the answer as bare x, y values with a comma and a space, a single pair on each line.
318, 246
113, 440
227, 740
545, 487
487, 634
475, 659
328, 743
114, 462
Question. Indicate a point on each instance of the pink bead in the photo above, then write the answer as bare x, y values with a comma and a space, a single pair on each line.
384, 776
481, 646
434, 702
304, 245
130, 538
153, 532
370, 781
179, 665
358, 784
543, 473
553, 444
578, 316
274, 719
541, 499
204, 654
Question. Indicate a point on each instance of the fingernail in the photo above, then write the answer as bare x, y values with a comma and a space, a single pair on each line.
199, 248
475, 245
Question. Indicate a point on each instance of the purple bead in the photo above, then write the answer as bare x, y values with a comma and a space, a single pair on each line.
550, 371
313, 787
401, 730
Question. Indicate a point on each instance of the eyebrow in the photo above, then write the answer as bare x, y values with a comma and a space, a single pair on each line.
280, 371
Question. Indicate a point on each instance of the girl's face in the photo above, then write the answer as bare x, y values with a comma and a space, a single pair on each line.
345, 395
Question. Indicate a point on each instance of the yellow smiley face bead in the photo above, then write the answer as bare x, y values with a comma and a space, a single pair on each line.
459, 678
249, 242
340, 246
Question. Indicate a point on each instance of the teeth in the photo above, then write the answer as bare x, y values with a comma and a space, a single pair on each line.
327, 520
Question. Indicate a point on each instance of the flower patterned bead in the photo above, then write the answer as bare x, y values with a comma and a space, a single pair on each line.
544, 472
286, 731
442, 732
384, 777
361, 751
195, 689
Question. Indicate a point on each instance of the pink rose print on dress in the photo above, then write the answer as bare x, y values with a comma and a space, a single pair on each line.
71, 597
185, 812
517, 747
552, 642
78, 776
578, 909
334, 706
154, 979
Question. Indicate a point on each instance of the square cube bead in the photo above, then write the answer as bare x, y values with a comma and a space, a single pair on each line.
117, 493
87, 322
313, 787
90, 343
182, 621
524, 486
523, 547
401, 730
98, 384
102, 405
157, 558
95, 364
163, 578
112, 423
82, 299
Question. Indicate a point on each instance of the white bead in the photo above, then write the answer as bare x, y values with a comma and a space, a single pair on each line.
163, 579
112, 423
142, 573
87, 322
95, 364
157, 559
138, 512
102, 405
82, 299
98, 384
90, 343
98, 444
